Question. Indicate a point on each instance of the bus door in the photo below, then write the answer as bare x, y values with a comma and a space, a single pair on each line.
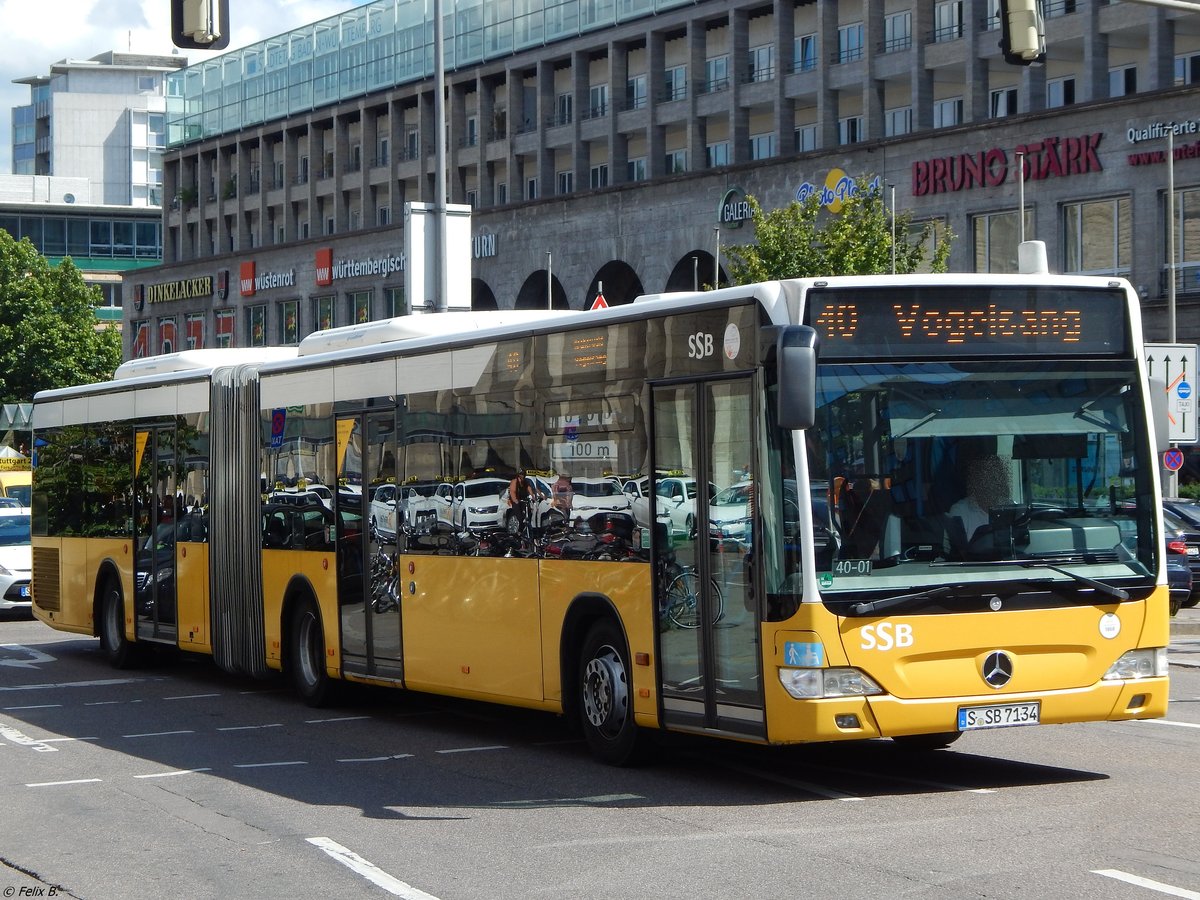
157, 509
368, 593
707, 613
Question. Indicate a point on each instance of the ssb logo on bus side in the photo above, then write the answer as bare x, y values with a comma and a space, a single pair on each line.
700, 345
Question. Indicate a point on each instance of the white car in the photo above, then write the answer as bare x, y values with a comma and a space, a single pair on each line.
383, 516
591, 496
729, 513
15, 558
638, 492
677, 495
475, 503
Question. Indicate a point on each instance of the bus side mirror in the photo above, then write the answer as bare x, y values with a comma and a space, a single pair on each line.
796, 359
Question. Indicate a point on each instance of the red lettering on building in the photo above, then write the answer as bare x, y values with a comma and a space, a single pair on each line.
1052, 157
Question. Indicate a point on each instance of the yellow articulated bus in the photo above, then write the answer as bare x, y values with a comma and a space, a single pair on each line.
813, 510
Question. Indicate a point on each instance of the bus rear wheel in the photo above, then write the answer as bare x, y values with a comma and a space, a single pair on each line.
605, 697
307, 653
121, 652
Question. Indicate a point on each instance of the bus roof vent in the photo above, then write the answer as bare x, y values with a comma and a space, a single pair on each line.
200, 360
1031, 258
402, 328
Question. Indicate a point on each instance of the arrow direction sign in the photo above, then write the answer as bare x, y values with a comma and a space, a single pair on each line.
1176, 365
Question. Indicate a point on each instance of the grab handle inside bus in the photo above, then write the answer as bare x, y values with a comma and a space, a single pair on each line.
796, 357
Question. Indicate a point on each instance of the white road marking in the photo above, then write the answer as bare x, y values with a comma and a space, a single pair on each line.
369, 870
40, 706
567, 801
295, 762
110, 702
156, 734
889, 776
1138, 881
24, 740
191, 696
36, 657
57, 783
377, 758
172, 773
472, 749
69, 684
67, 740
339, 719
1167, 722
250, 727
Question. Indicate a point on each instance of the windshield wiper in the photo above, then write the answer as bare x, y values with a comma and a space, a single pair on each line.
1095, 585
867, 607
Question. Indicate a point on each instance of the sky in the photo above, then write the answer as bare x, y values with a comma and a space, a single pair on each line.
39, 33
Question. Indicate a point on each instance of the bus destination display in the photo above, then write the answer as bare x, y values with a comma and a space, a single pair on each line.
957, 320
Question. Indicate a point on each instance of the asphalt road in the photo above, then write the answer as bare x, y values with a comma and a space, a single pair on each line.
182, 781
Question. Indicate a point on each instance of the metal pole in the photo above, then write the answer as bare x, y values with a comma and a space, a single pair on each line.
1021, 192
695, 273
893, 187
549, 280
439, 202
717, 259
1171, 234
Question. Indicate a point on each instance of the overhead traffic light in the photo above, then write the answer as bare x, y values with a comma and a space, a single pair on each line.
200, 24
1022, 32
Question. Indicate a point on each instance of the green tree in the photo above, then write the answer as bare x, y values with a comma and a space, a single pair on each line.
804, 240
48, 333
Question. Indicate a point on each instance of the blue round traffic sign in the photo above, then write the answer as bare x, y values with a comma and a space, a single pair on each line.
1184, 390
1173, 460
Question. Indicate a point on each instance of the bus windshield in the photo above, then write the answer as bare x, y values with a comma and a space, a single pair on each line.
970, 473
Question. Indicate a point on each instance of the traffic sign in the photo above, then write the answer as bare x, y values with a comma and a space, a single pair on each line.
1175, 365
1173, 460
599, 302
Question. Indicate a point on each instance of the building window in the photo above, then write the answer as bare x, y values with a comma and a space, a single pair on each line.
716, 74
676, 162
1187, 68
1060, 91
256, 325
223, 322
850, 42
1187, 241
762, 63
564, 109
762, 146
635, 169
675, 83
1003, 102
1054, 8
393, 303
383, 215
473, 199
194, 327
565, 181
147, 84
360, 307
717, 154
501, 193
897, 121
1122, 80
323, 313
897, 31
597, 101
850, 130
598, 176
635, 92
804, 53
947, 21
289, 322
805, 137
996, 237
1098, 237
947, 112
531, 188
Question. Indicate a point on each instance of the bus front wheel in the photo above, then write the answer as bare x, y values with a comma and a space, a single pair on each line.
307, 645
120, 651
605, 697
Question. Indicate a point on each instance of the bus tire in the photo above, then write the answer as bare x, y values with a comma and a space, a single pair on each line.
921, 743
606, 697
306, 653
120, 651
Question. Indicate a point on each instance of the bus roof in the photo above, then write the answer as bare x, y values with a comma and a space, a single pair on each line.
200, 360
370, 334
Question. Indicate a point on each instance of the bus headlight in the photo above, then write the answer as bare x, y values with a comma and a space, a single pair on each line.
1148, 663
814, 684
